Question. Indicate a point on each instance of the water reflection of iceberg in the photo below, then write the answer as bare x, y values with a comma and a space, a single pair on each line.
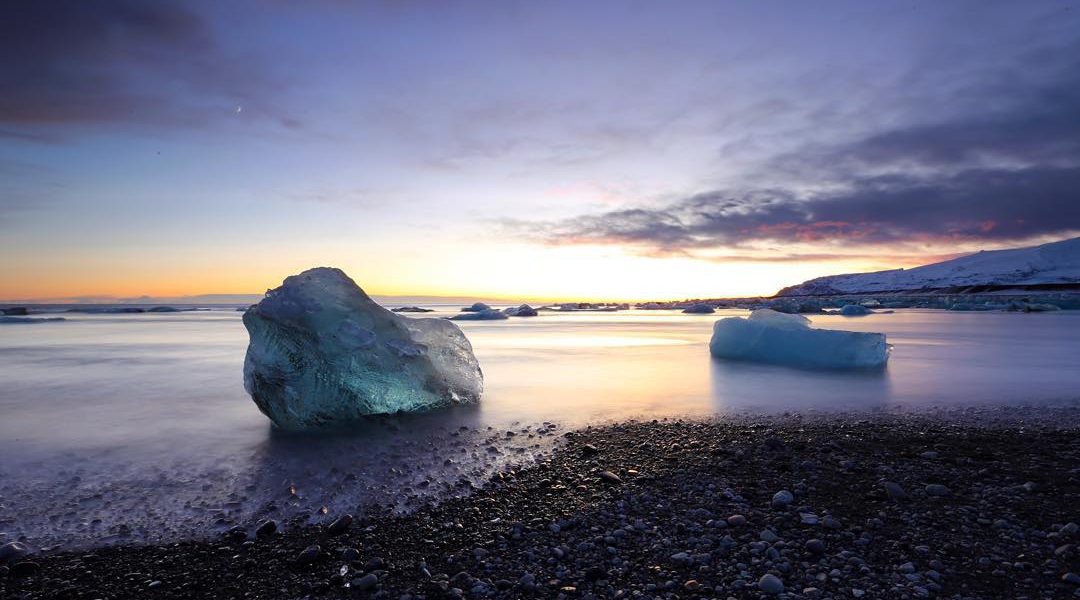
743, 386
396, 461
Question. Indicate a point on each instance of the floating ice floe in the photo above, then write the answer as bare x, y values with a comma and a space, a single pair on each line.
322, 352
778, 338
522, 311
855, 310
30, 320
411, 309
699, 309
858, 310
476, 307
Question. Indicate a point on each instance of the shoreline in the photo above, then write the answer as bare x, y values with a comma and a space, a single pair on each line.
650, 508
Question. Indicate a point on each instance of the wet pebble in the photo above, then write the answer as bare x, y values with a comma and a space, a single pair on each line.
894, 491
610, 477
12, 551
266, 528
26, 568
936, 489
308, 555
782, 498
366, 583
771, 584
340, 525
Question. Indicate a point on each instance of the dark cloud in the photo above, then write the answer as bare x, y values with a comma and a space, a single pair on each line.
1021, 123
71, 62
1009, 172
975, 204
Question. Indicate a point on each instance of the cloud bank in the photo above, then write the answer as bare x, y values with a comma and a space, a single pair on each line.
1007, 173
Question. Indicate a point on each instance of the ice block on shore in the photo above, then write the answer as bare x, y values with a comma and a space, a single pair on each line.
322, 352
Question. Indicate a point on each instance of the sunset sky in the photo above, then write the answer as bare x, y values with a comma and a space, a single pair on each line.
586, 150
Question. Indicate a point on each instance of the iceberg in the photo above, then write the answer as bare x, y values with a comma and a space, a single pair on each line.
476, 307
522, 311
855, 310
773, 337
322, 352
411, 309
699, 309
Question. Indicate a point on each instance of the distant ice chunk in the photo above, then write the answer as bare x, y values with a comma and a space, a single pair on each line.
522, 311
411, 309
30, 320
489, 314
476, 307
322, 352
778, 338
855, 310
699, 309
1041, 307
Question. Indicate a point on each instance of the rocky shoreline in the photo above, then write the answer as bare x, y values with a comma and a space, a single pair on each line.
900, 506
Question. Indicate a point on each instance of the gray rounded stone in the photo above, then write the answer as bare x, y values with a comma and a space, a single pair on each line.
782, 498
770, 584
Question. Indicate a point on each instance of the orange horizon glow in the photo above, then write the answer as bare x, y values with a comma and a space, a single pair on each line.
511, 272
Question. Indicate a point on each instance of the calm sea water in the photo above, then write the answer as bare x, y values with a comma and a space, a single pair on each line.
119, 428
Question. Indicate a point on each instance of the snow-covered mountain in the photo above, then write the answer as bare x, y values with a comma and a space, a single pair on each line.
1053, 263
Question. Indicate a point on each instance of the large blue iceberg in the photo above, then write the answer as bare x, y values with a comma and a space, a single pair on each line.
778, 338
322, 352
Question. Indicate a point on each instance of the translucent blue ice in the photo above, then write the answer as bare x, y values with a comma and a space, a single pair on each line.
772, 337
322, 352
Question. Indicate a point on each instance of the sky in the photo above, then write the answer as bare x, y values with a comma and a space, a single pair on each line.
536, 150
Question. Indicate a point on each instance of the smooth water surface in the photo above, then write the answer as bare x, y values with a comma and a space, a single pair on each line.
131, 427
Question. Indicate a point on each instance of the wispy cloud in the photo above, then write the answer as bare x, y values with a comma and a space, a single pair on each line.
1009, 172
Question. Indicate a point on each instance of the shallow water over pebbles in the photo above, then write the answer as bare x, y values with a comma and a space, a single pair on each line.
128, 428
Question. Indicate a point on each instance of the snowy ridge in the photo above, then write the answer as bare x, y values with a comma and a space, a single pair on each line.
1053, 263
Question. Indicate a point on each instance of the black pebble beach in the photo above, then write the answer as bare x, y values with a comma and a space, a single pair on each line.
883, 507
